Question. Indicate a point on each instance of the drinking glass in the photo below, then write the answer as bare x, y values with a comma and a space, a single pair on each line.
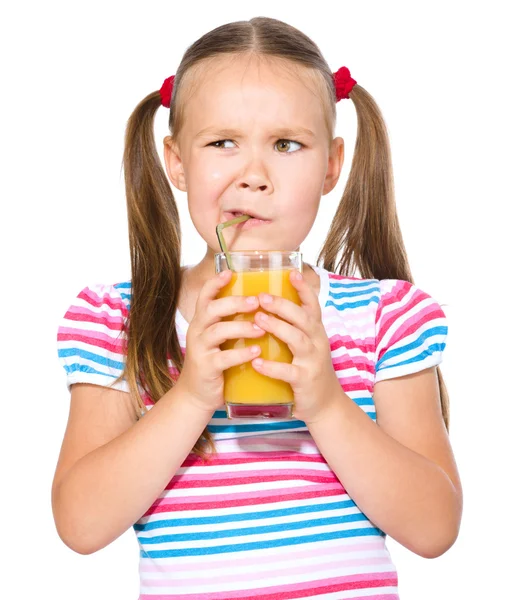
247, 393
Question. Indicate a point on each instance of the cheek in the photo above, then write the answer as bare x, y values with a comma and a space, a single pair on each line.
210, 175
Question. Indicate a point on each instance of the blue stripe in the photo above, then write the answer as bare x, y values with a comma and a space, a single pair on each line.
267, 514
347, 305
354, 284
320, 537
429, 352
78, 368
338, 296
107, 362
361, 401
123, 286
226, 533
438, 347
276, 425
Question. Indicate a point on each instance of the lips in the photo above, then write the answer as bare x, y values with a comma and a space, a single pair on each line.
232, 214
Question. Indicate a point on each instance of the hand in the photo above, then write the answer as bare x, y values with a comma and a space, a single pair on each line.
204, 362
311, 373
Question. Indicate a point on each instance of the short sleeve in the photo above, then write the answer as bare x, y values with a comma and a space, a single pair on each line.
410, 330
91, 337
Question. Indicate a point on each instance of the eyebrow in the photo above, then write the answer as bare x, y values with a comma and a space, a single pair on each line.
234, 133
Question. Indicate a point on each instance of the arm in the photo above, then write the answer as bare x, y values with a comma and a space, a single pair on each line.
400, 471
112, 467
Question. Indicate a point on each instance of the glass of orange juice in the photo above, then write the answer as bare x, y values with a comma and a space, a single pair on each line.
247, 393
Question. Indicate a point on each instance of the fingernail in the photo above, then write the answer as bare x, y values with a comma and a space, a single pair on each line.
267, 298
251, 300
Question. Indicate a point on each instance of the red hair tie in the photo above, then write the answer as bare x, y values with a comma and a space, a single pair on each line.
166, 91
343, 83
342, 79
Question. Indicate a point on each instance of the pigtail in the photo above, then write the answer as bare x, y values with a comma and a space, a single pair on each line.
365, 228
155, 257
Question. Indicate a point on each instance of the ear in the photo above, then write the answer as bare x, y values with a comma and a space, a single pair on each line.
173, 163
335, 162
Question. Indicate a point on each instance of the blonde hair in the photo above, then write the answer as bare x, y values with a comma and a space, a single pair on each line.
365, 228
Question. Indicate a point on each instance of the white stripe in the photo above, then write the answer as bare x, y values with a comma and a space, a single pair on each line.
275, 580
338, 547
284, 485
233, 510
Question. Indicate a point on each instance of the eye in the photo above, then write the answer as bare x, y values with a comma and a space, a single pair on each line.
218, 142
285, 142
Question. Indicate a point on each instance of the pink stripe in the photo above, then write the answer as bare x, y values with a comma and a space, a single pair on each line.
111, 346
344, 278
242, 499
75, 313
180, 482
338, 340
276, 572
412, 324
96, 335
297, 590
237, 458
393, 596
347, 362
396, 296
161, 567
353, 384
97, 300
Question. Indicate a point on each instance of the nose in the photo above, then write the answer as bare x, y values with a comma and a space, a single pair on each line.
253, 184
255, 177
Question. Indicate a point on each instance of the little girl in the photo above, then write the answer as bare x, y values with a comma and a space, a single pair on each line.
239, 509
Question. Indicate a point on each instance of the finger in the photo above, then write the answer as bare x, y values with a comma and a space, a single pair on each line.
277, 370
297, 341
211, 288
287, 310
215, 308
306, 293
223, 331
231, 358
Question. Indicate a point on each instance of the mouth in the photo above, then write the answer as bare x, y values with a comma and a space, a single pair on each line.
253, 221
232, 214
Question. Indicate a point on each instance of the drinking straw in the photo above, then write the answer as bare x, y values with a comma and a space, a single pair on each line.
220, 237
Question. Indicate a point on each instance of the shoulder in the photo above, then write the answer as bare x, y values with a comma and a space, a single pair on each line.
101, 299
411, 330
398, 326
91, 335
403, 302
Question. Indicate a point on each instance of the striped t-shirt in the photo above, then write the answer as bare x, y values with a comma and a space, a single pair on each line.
266, 518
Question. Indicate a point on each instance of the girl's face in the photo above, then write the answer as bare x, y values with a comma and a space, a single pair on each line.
254, 139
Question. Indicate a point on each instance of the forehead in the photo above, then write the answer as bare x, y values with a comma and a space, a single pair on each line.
236, 91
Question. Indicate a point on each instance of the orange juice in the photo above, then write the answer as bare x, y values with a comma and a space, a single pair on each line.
242, 383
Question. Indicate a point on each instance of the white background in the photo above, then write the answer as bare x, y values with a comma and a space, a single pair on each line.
72, 74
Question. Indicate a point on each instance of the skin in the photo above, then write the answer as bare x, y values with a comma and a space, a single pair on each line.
280, 177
